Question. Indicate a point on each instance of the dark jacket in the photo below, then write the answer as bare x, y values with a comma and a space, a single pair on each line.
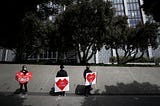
61, 73
85, 73
24, 71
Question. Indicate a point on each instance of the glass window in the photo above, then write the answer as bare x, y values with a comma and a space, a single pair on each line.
134, 22
138, 14
120, 13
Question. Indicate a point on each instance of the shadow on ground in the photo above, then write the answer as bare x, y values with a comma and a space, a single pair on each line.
126, 95
80, 90
8, 99
53, 93
132, 88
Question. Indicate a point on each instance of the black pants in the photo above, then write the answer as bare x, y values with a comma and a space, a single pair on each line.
25, 87
87, 90
62, 93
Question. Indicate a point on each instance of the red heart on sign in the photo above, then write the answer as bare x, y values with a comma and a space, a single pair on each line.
61, 84
91, 77
21, 78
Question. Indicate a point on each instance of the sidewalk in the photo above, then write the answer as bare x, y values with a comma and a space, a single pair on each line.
110, 80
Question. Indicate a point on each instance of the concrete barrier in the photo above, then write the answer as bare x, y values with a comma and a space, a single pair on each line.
110, 80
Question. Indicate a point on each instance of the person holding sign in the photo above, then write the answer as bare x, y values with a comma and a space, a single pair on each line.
62, 82
23, 78
87, 87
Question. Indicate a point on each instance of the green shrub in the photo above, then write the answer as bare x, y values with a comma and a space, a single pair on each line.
141, 60
157, 60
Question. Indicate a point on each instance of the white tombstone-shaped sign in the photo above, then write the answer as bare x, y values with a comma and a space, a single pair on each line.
91, 78
61, 84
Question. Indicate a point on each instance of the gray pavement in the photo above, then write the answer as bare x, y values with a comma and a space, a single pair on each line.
116, 86
110, 80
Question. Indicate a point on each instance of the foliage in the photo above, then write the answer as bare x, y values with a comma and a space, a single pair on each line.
133, 42
12, 15
63, 2
52, 7
82, 23
12, 26
152, 7
24, 31
140, 60
118, 34
33, 38
138, 41
157, 61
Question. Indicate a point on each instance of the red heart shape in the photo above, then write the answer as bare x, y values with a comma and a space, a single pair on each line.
21, 78
91, 77
61, 84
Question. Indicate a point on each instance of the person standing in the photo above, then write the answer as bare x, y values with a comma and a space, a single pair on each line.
87, 87
24, 71
62, 73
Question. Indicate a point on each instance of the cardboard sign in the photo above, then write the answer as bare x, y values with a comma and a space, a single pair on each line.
21, 78
91, 78
61, 84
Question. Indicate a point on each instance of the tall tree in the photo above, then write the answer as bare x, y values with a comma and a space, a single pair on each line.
17, 28
118, 31
152, 7
83, 23
12, 13
52, 7
133, 42
33, 37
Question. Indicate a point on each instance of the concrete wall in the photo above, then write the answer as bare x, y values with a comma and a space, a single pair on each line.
109, 79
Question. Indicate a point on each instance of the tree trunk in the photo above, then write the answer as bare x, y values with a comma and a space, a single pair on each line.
134, 58
19, 56
117, 56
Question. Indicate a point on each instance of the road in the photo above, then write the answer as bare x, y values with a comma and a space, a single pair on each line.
44, 99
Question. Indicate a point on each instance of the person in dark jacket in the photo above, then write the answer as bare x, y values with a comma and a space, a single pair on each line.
62, 73
24, 71
87, 87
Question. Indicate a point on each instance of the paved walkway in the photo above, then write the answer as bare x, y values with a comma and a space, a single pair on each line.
110, 80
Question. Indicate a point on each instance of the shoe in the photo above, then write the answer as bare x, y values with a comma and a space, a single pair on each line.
24, 93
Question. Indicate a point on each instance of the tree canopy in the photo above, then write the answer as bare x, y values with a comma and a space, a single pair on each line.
20, 29
12, 13
152, 7
131, 44
84, 24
